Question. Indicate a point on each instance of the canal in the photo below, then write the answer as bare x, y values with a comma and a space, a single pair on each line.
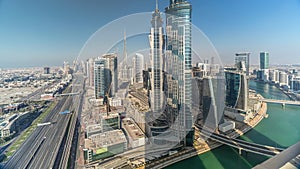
280, 129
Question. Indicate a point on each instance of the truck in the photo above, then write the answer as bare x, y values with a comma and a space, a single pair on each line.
44, 124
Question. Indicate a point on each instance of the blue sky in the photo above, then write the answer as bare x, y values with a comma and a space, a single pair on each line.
40, 32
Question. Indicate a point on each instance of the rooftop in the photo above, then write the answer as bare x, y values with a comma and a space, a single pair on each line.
132, 129
105, 139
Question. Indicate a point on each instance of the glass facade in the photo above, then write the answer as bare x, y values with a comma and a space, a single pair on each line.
264, 60
156, 39
236, 90
100, 77
106, 75
243, 57
179, 64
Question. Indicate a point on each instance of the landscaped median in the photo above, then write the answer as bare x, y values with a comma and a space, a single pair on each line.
20, 140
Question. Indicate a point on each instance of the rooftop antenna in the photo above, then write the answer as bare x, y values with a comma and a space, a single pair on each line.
156, 5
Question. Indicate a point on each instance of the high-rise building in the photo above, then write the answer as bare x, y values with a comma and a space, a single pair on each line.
243, 57
100, 77
46, 70
179, 67
138, 64
112, 66
156, 40
210, 100
274, 76
106, 75
126, 71
159, 123
264, 60
90, 71
283, 79
295, 84
236, 90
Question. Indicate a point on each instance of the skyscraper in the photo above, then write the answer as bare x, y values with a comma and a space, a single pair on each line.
179, 66
243, 57
126, 70
138, 64
236, 90
264, 60
90, 71
46, 70
112, 66
156, 40
106, 75
100, 77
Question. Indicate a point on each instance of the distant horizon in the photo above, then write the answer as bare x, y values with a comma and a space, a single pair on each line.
47, 33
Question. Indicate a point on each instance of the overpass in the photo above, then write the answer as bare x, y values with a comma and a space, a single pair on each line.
67, 94
241, 144
289, 158
284, 102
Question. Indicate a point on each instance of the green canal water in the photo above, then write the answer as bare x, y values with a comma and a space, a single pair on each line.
280, 129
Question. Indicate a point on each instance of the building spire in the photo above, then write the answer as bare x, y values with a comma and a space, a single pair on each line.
125, 50
156, 7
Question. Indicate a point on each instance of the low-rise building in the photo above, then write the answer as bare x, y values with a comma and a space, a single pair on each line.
104, 145
135, 135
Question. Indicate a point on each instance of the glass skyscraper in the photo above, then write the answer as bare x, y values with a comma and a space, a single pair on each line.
138, 65
100, 80
179, 67
156, 40
236, 90
112, 66
106, 75
243, 57
264, 60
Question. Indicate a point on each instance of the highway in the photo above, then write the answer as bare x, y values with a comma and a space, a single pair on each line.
241, 144
41, 147
71, 137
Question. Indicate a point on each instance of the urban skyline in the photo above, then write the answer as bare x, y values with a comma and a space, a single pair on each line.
256, 31
150, 90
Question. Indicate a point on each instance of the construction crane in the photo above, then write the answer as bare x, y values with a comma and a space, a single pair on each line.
106, 100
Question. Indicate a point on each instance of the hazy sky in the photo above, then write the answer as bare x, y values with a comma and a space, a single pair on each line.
47, 32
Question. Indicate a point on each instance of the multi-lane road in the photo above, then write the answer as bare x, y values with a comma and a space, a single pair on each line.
43, 146
42, 141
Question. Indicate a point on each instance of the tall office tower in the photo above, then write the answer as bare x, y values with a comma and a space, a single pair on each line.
264, 60
210, 100
105, 75
90, 71
236, 90
46, 70
112, 67
179, 67
156, 40
158, 123
243, 57
100, 77
138, 64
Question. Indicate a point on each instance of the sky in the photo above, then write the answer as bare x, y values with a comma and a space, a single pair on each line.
46, 33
